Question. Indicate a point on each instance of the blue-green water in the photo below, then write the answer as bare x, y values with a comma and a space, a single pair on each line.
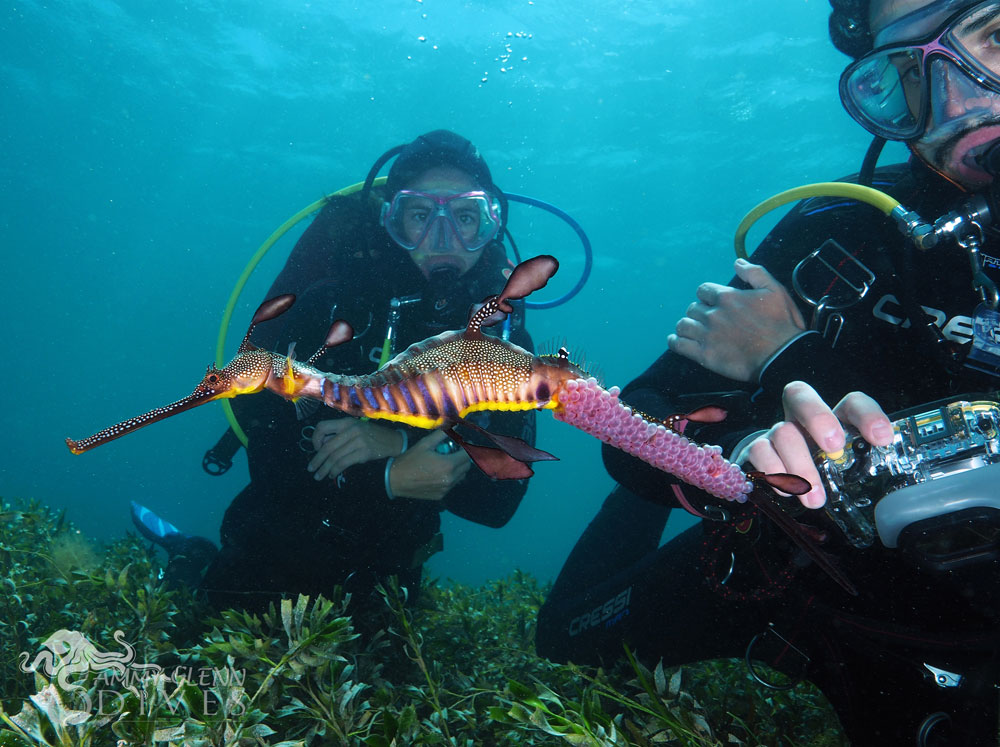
148, 148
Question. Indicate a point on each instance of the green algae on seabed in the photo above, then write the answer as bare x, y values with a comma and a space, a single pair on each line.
459, 670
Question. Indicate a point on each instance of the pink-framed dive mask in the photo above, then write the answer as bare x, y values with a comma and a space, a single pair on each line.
466, 219
900, 89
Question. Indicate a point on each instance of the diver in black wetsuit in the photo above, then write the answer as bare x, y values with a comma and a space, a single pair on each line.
913, 658
339, 501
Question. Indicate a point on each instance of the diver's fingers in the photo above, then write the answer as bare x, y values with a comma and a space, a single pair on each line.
364, 443
690, 334
346, 455
690, 329
334, 451
457, 466
867, 417
329, 443
761, 455
785, 448
756, 276
760, 279
804, 406
430, 441
325, 429
427, 475
358, 441
697, 311
710, 293
334, 467
461, 467
685, 346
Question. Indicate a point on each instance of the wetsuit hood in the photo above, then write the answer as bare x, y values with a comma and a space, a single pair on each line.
438, 148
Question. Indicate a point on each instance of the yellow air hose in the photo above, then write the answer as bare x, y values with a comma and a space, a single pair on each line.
873, 197
220, 347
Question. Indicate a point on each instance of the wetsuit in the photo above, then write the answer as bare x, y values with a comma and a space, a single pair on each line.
867, 653
287, 533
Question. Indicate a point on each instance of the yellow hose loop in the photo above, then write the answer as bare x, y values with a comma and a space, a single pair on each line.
873, 197
227, 315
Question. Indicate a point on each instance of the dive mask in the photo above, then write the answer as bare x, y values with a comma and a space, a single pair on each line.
893, 91
472, 219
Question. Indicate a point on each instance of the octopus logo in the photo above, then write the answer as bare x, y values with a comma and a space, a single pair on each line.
68, 655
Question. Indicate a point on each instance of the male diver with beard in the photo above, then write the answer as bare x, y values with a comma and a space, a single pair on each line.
836, 322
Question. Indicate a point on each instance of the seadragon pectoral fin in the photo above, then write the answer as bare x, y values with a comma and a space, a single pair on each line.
509, 460
494, 462
518, 448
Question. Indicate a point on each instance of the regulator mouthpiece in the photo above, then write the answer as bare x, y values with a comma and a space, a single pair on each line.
989, 160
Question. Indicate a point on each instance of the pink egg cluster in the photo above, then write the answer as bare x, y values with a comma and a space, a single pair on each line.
597, 411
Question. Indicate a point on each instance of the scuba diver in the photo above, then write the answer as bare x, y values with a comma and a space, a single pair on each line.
336, 501
839, 323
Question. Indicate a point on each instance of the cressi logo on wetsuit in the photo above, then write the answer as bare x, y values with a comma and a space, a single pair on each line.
957, 329
607, 614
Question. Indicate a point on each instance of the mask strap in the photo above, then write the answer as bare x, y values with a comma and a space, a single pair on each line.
900, 28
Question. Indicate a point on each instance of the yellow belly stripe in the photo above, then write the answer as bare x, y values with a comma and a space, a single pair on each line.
508, 407
417, 421
423, 421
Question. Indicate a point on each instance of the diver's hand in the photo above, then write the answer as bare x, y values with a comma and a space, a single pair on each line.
734, 332
788, 446
426, 475
344, 442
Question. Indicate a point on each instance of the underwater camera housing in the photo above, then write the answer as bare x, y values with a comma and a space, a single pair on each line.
934, 492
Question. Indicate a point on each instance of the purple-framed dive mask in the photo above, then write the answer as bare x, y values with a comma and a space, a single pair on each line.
893, 91
470, 219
